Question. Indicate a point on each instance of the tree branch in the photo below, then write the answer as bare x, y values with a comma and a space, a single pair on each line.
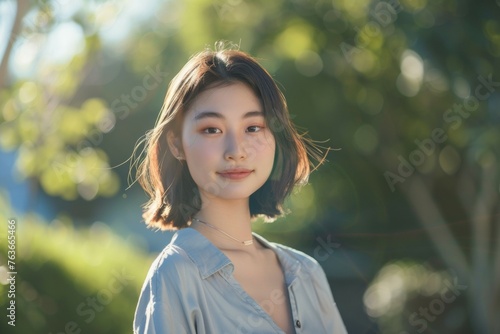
481, 238
21, 9
430, 217
466, 190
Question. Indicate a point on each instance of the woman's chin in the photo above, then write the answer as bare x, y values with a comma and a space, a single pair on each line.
230, 194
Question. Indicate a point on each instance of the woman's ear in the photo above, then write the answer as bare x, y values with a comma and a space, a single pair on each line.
175, 145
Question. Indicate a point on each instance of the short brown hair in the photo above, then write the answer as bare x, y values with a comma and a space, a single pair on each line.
174, 196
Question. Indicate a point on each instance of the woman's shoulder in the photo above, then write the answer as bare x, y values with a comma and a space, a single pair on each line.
173, 256
187, 254
171, 264
174, 259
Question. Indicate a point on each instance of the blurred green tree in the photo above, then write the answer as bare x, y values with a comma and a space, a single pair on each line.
69, 280
408, 89
44, 117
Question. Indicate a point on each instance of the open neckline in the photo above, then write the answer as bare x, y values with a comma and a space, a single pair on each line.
210, 260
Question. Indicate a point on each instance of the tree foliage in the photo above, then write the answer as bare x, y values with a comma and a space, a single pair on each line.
409, 90
69, 279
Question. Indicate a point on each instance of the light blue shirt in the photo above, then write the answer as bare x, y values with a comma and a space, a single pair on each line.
190, 289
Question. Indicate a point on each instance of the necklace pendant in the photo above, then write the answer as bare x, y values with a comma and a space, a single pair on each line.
248, 242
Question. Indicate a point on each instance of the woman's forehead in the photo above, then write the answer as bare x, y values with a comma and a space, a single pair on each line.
225, 100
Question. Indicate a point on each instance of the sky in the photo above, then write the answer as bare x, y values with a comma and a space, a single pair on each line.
114, 20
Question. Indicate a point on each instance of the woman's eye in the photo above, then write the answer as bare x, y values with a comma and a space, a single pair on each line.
254, 128
211, 130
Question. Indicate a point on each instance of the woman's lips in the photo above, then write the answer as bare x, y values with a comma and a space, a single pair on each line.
235, 174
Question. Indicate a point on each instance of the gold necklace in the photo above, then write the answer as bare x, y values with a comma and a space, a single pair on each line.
245, 243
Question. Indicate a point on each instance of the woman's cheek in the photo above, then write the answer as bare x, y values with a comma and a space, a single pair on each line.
206, 151
195, 145
267, 143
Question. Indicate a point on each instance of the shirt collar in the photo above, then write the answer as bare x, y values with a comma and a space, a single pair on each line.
209, 259
290, 265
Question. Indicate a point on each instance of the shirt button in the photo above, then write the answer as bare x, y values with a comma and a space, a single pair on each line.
298, 324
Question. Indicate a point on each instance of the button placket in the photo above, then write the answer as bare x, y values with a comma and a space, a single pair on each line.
295, 312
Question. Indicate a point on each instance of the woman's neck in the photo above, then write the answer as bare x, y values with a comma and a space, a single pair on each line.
229, 216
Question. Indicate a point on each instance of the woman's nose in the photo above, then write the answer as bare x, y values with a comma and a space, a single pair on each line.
235, 147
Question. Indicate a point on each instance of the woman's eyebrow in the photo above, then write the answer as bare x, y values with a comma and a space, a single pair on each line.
214, 114
253, 114
207, 114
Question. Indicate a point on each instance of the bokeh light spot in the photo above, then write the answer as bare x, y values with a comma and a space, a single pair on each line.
366, 139
449, 160
309, 63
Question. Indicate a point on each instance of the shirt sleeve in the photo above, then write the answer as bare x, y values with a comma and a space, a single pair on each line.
165, 306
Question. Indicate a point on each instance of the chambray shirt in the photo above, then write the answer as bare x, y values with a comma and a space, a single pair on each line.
190, 289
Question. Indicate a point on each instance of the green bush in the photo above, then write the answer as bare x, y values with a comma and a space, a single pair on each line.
70, 280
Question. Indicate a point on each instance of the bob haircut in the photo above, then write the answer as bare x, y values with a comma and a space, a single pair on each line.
174, 196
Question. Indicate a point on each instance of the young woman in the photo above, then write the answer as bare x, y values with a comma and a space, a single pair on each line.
224, 151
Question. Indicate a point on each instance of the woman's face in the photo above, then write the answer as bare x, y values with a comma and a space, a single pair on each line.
227, 146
